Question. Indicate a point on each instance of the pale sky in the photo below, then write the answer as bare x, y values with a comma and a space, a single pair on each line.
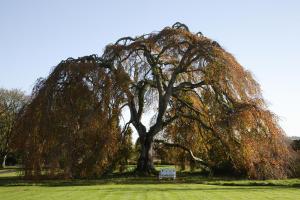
264, 36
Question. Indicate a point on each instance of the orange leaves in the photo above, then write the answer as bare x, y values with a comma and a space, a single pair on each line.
73, 118
71, 125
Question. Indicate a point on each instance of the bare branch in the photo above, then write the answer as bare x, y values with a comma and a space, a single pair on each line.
188, 85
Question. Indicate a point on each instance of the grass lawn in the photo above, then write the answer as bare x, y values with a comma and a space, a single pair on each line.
185, 187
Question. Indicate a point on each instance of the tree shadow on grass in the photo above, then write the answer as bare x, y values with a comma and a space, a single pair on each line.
173, 188
134, 180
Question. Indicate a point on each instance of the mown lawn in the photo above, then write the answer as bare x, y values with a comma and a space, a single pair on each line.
185, 187
149, 191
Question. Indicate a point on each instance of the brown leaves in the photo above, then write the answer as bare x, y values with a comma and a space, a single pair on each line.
72, 121
71, 127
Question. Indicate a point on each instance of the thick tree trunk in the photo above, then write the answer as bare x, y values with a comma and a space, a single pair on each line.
145, 162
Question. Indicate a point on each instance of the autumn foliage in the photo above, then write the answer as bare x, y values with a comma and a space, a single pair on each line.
205, 103
71, 127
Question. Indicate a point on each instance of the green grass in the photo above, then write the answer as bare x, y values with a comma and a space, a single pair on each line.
120, 187
8, 173
148, 191
131, 168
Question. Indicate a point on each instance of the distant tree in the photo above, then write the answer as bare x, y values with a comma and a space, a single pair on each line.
11, 102
186, 78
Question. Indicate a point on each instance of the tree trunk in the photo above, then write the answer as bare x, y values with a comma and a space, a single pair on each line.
192, 165
4, 161
145, 162
1, 160
182, 162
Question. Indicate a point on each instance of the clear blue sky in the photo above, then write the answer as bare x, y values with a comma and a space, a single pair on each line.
264, 36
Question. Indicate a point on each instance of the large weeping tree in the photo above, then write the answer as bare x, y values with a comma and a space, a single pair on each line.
184, 79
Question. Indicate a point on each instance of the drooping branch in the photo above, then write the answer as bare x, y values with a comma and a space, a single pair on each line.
179, 25
189, 151
190, 77
188, 85
125, 128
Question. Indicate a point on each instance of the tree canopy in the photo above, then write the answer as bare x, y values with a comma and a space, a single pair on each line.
201, 96
11, 102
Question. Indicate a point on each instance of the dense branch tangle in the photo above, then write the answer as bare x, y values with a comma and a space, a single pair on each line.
172, 65
184, 78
